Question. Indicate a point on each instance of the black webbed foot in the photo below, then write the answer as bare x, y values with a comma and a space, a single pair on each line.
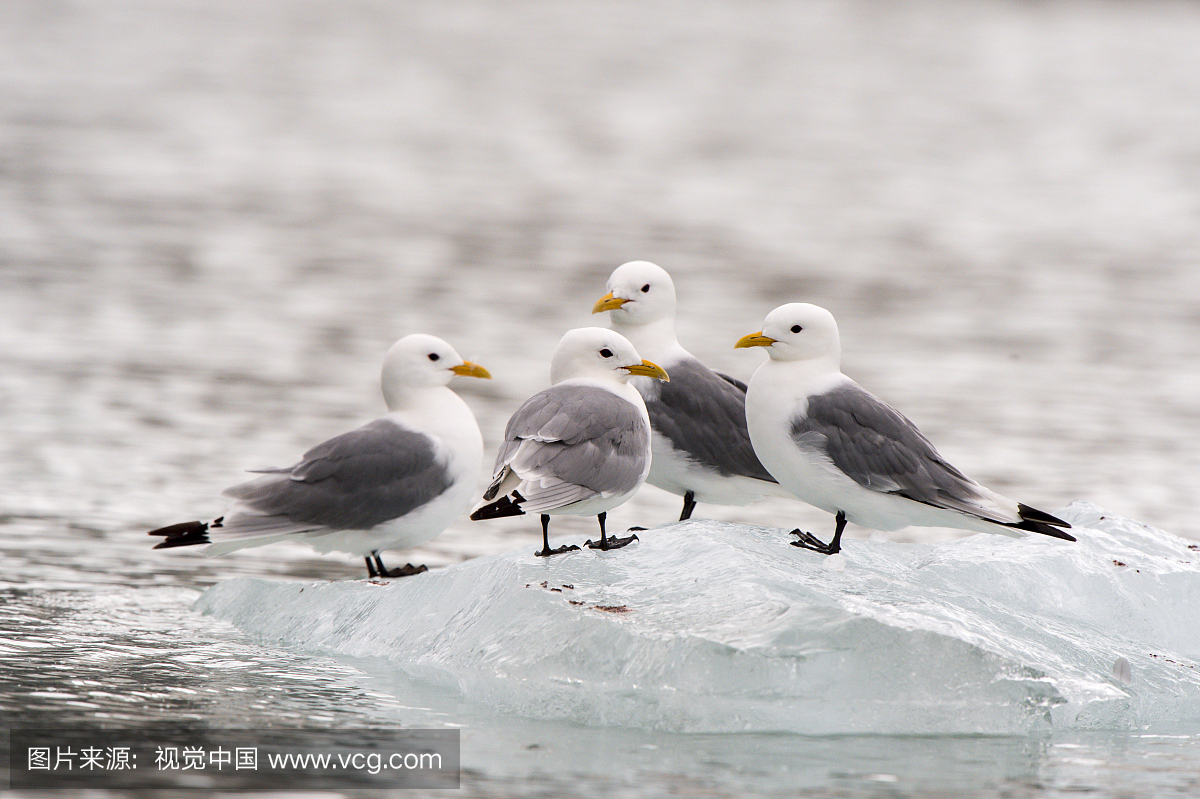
375, 568
809, 541
607, 543
407, 570
547, 551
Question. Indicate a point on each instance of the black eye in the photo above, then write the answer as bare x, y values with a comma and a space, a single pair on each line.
796, 328
606, 352
433, 356
646, 288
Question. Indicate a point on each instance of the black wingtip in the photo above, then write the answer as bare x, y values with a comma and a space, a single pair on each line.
184, 534
1036, 521
505, 506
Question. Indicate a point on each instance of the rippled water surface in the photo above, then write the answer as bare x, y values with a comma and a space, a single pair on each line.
216, 216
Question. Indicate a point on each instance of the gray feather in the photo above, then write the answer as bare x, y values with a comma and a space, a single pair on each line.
703, 415
354, 481
880, 449
585, 436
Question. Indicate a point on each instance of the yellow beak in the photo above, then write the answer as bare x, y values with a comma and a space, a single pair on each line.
468, 369
608, 303
648, 369
754, 340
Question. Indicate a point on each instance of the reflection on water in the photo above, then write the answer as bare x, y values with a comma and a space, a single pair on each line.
215, 217
128, 658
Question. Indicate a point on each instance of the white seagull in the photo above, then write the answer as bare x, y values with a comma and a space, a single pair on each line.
840, 448
581, 446
394, 483
701, 446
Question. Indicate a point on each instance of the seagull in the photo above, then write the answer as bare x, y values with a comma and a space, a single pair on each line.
581, 446
701, 446
396, 482
840, 448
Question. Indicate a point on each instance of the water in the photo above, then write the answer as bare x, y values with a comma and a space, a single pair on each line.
215, 217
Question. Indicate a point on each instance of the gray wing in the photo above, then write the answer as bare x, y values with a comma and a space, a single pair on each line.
573, 442
703, 415
880, 449
379, 472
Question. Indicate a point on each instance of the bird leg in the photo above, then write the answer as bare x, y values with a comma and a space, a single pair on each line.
379, 570
607, 543
689, 505
546, 550
809, 541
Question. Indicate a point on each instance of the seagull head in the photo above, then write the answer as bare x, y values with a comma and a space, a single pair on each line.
600, 354
639, 293
420, 361
797, 331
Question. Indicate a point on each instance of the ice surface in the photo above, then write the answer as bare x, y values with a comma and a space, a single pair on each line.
717, 627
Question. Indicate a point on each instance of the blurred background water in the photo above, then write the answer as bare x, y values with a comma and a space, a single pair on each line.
216, 216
